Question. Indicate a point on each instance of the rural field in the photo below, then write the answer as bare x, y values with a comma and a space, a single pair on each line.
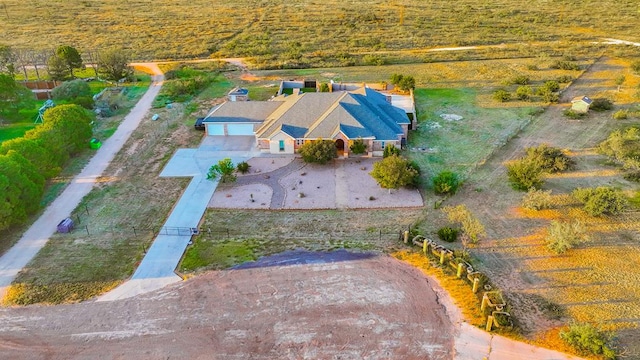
309, 33
595, 282
356, 41
97, 257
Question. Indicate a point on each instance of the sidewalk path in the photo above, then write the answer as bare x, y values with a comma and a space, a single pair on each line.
41, 230
157, 267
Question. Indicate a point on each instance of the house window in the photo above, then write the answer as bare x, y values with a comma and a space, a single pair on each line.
382, 144
281, 145
299, 142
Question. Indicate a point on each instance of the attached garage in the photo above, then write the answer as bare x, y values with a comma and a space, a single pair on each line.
239, 129
215, 129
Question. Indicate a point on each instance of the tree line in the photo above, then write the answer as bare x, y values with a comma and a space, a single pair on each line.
27, 162
59, 64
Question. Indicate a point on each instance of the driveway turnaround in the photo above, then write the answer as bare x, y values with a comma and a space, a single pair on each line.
39, 233
157, 267
298, 305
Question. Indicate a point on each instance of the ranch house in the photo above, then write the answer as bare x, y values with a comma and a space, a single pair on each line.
286, 122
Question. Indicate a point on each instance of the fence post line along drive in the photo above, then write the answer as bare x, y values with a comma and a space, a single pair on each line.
492, 303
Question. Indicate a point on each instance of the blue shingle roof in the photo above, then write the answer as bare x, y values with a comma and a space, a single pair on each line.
294, 131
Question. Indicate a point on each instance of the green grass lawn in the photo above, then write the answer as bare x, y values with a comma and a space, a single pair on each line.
12, 131
460, 145
270, 232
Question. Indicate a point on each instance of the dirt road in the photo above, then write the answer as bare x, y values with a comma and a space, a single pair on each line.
307, 305
38, 234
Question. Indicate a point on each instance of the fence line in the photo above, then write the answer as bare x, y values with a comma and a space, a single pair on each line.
493, 304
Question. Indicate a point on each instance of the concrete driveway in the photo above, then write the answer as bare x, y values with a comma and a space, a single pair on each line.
157, 267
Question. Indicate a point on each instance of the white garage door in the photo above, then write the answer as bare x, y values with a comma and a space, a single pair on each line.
215, 129
239, 129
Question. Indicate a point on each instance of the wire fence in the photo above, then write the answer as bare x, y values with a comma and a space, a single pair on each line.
149, 233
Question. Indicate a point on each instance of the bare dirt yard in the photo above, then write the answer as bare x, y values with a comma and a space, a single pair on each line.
289, 183
336, 305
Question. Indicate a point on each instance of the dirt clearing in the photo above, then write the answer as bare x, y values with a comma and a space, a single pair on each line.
303, 305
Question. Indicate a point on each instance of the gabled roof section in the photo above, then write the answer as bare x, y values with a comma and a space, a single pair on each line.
360, 113
300, 110
245, 111
295, 132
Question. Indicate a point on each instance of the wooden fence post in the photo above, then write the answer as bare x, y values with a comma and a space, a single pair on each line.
425, 246
489, 323
460, 269
476, 284
442, 253
406, 237
485, 300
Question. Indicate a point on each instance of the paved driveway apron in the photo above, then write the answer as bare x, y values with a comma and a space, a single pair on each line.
157, 268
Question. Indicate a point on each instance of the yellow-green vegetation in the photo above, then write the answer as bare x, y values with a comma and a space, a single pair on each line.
310, 32
458, 289
31, 293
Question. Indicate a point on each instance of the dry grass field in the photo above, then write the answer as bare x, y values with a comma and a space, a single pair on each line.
595, 282
309, 32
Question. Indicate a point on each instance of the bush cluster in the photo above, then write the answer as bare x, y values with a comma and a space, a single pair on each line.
74, 92
589, 340
562, 236
602, 200
601, 104
448, 234
446, 183
536, 199
501, 95
26, 162
572, 114
358, 147
318, 151
623, 147
526, 173
565, 65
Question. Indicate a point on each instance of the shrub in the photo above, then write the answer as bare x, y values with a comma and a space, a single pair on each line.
562, 236
501, 95
563, 79
390, 150
547, 95
446, 182
601, 200
621, 115
552, 85
71, 89
551, 159
84, 101
243, 167
370, 59
565, 65
394, 172
571, 114
601, 104
632, 176
318, 151
448, 234
635, 66
524, 92
223, 169
537, 199
358, 147
471, 226
524, 174
520, 80
589, 340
